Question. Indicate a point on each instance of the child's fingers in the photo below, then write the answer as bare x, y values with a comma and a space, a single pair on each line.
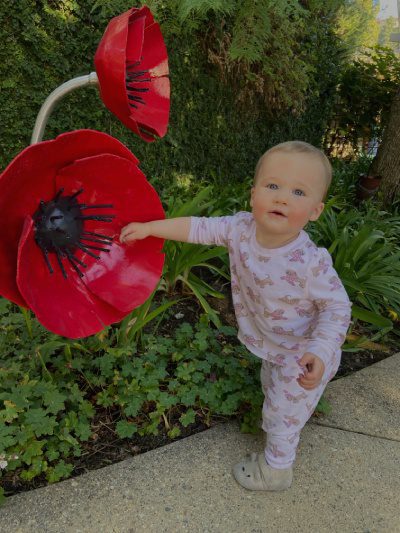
127, 236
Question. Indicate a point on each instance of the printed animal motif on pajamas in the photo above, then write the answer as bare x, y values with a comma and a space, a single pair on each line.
296, 256
277, 314
305, 312
335, 283
256, 298
262, 282
240, 310
323, 266
292, 278
282, 331
276, 452
290, 421
254, 342
244, 256
235, 288
289, 301
295, 399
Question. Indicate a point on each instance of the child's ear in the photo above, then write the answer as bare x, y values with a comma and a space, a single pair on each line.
251, 197
317, 211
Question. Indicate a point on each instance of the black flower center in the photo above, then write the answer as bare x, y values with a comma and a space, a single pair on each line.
59, 230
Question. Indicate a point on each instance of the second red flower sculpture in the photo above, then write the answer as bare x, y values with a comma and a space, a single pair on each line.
132, 68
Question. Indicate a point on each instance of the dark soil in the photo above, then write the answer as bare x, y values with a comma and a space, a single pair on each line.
105, 448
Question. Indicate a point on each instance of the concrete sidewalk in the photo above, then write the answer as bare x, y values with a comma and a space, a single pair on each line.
347, 478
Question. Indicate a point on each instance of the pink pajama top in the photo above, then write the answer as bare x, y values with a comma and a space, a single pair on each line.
287, 300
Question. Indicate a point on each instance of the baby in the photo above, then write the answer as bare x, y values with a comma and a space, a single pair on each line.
291, 307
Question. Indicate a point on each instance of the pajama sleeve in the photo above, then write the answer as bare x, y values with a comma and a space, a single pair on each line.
328, 295
210, 230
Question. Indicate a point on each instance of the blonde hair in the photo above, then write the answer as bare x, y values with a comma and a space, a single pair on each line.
299, 147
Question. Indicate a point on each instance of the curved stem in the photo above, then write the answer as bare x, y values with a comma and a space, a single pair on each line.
54, 97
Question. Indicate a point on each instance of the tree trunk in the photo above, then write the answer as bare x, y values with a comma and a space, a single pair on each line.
387, 161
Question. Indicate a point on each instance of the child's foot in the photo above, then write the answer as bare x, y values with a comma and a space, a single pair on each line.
253, 473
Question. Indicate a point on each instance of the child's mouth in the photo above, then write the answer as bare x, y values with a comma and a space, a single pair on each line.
277, 213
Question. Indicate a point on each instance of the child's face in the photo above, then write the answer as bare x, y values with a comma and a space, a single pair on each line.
287, 194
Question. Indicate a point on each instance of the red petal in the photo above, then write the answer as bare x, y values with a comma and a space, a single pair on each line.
155, 57
134, 42
63, 306
127, 275
29, 178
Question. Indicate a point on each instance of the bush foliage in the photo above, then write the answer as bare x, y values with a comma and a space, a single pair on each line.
48, 42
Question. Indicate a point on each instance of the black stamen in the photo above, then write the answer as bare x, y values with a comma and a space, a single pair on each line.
95, 247
91, 239
80, 274
100, 218
84, 206
138, 99
77, 193
46, 258
79, 245
138, 89
73, 258
97, 235
129, 81
59, 193
59, 256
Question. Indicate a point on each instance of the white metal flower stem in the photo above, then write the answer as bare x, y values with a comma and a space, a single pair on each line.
54, 97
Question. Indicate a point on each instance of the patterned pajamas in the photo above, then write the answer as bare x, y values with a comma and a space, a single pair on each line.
287, 407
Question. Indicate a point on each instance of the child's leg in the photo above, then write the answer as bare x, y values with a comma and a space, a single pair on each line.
286, 409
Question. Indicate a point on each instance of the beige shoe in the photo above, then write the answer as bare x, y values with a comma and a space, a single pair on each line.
253, 473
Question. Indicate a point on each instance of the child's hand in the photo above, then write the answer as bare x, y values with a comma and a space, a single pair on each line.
313, 370
135, 231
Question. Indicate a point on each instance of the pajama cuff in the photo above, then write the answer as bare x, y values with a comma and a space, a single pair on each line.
320, 350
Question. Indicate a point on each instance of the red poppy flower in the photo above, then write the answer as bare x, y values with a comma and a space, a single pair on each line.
62, 205
132, 68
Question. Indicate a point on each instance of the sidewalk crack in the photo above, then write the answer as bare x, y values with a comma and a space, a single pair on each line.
354, 431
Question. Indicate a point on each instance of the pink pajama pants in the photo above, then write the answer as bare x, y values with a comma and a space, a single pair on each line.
287, 407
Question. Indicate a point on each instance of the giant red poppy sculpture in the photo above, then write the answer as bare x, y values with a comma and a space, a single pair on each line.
62, 205
132, 69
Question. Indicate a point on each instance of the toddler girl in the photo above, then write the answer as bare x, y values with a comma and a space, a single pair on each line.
291, 307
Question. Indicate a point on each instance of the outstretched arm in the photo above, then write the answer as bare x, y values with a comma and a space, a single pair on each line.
176, 229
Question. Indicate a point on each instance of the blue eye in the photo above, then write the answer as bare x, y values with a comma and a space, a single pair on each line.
298, 192
272, 186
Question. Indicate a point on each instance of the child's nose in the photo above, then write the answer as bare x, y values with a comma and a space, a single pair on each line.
280, 197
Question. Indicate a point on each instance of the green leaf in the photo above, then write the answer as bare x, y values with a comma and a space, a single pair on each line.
188, 418
54, 401
40, 422
174, 432
370, 317
125, 429
62, 470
